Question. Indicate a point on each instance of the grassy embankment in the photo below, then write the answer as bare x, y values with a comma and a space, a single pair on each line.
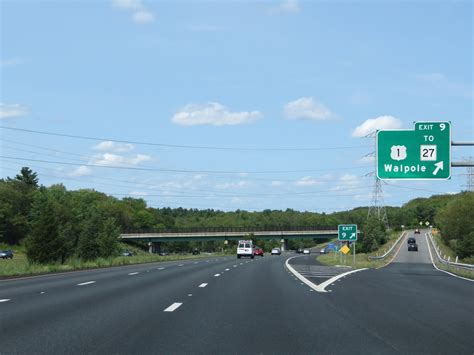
446, 252
362, 259
19, 265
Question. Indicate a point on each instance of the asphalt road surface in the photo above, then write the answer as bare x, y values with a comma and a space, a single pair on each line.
233, 306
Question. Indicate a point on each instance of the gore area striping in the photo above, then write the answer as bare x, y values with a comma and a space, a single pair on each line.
173, 307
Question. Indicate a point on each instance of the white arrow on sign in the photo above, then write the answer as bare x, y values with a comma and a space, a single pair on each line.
439, 166
353, 235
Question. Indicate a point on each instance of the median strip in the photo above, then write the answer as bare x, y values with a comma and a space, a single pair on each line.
173, 307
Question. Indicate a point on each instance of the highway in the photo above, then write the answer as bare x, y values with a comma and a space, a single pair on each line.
230, 306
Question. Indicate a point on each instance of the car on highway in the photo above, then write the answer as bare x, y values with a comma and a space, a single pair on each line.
258, 251
299, 251
306, 251
413, 247
417, 231
324, 251
196, 251
245, 248
6, 254
276, 251
411, 240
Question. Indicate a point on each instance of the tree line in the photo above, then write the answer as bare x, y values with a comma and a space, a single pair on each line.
55, 224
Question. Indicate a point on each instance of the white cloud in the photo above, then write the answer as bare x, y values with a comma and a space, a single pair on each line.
286, 6
307, 108
213, 114
373, 124
232, 185
82, 171
439, 84
113, 147
110, 159
12, 110
367, 159
276, 183
11, 62
308, 181
128, 4
141, 15
138, 193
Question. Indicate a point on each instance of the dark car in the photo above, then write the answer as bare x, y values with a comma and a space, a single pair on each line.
417, 231
196, 252
258, 252
411, 240
6, 254
413, 247
300, 251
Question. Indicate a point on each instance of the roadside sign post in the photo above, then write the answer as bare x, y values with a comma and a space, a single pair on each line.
347, 233
423, 153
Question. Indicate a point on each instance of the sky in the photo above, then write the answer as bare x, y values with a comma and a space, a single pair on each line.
230, 105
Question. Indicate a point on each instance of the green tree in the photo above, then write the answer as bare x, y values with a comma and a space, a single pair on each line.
455, 224
108, 238
373, 235
45, 243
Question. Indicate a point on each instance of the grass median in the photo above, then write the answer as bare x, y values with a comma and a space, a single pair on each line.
361, 259
20, 266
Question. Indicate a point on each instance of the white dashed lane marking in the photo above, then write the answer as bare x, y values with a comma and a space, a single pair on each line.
5, 300
227, 269
86, 283
217, 275
173, 307
133, 273
161, 268
202, 285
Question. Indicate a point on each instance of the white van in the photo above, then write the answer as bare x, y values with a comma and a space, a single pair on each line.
245, 248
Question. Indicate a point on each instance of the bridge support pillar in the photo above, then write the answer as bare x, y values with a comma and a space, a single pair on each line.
154, 247
284, 244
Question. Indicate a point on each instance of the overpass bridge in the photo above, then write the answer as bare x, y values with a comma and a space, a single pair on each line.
228, 233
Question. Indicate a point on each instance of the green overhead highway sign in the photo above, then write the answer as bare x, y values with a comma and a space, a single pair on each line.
347, 232
422, 153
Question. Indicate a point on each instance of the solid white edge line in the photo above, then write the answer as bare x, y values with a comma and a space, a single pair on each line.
173, 307
437, 268
86, 283
321, 287
5, 300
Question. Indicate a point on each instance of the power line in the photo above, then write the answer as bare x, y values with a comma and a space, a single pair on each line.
188, 171
163, 145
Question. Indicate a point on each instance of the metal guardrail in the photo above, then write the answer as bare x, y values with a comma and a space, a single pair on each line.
390, 250
444, 261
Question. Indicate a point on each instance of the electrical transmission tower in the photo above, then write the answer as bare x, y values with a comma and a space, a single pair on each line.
377, 204
469, 177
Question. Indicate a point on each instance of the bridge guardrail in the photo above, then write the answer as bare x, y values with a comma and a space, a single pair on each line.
389, 251
444, 261
231, 229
